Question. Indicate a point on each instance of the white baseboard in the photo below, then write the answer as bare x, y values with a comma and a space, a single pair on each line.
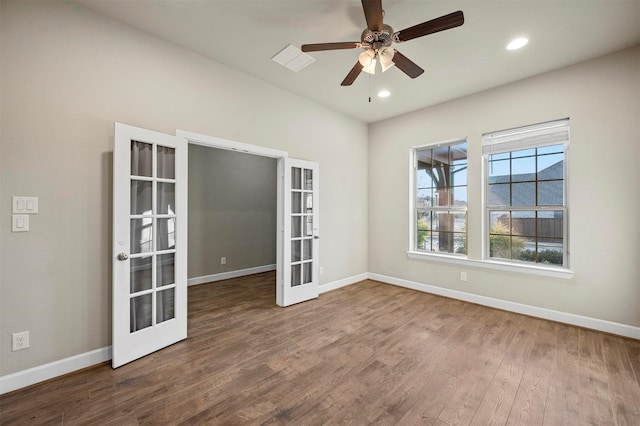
563, 317
231, 274
342, 283
44, 372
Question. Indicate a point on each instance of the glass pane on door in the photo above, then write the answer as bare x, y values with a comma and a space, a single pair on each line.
140, 316
308, 249
141, 235
296, 202
295, 275
296, 228
140, 274
308, 226
165, 305
296, 178
308, 179
306, 273
166, 198
141, 159
308, 204
165, 268
295, 251
166, 238
141, 197
166, 162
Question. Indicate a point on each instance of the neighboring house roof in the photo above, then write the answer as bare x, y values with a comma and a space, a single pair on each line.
522, 190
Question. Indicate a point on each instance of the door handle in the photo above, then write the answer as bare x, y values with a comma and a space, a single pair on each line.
123, 256
316, 237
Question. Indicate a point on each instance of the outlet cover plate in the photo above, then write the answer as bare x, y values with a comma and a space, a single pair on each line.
19, 341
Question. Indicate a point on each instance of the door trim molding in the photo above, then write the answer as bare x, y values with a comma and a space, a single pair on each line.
213, 142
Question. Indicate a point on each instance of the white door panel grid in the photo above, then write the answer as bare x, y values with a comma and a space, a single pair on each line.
149, 242
301, 226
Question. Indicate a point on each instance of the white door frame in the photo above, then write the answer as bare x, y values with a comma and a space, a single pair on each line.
219, 143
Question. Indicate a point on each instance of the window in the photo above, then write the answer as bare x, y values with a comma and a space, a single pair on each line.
526, 194
440, 198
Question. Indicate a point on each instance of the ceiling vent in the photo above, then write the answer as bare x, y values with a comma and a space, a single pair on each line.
291, 57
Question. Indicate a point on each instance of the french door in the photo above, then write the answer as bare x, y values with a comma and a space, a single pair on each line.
300, 278
149, 242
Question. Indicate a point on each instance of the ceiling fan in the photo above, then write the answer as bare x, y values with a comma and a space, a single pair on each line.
377, 38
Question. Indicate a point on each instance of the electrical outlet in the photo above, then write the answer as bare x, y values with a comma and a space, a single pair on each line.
463, 276
223, 260
19, 341
321, 270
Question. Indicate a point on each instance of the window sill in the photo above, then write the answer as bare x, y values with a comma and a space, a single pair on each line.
493, 264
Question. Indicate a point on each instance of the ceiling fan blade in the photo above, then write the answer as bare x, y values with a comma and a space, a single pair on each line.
442, 23
353, 74
373, 14
329, 46
406, 65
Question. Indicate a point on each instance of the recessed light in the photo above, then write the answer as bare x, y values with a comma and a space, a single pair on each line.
384, 94
517, 43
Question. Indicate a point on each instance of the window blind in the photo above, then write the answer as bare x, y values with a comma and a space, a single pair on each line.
543, 134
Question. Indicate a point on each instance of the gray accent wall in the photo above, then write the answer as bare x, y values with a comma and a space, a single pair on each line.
232, 211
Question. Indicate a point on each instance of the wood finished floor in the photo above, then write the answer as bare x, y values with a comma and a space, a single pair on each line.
369, 353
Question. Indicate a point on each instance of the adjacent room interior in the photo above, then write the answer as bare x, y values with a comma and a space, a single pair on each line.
232, 214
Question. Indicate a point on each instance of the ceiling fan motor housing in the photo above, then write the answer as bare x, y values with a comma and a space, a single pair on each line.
377, 39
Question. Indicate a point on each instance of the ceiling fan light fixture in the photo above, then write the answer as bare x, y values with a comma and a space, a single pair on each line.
368, 62
386, 58
386, 66
517, 43
371, 68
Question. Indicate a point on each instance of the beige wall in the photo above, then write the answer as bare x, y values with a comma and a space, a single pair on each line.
232, 211
67, 74
602, 98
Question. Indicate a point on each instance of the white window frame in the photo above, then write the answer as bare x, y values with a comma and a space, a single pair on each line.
413, 236
534, 136
484, 262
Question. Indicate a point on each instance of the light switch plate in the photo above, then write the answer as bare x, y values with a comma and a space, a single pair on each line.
25, 205
20, 223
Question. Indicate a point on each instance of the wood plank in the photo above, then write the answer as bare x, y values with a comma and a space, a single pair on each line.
624, 389
496, 404
595, 408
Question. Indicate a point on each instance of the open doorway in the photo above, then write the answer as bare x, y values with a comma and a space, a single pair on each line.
232, 203
297, 217
282, 225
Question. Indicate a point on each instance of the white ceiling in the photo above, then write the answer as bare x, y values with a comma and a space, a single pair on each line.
246, 34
